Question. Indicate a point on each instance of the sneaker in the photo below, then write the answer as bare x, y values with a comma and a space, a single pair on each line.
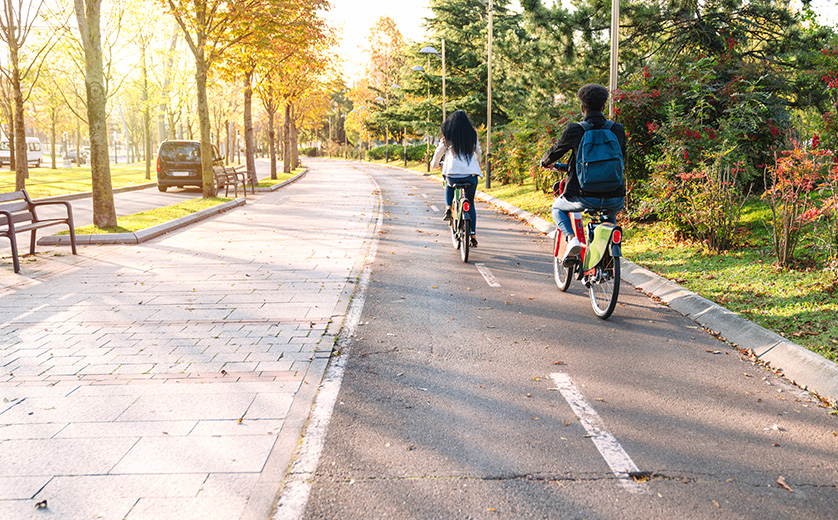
447, 216
572, 250
473, 241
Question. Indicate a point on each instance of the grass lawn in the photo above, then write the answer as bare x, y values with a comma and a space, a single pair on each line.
45, 182
138, 221
281, 177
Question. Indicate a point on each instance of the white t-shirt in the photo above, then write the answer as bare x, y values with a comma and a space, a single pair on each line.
457, 165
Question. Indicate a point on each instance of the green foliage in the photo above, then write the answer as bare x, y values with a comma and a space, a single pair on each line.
396, 151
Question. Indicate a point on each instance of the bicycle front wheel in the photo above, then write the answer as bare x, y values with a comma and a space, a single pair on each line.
465, 243
605, 286
561, 274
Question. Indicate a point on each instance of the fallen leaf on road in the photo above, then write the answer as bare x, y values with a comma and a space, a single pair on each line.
41, 505
716, 504
782, 483
714, 351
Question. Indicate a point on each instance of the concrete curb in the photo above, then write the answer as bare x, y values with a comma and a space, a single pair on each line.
800, 365
143, 234
283, 183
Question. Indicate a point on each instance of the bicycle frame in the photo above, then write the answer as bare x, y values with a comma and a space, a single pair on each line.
460, 221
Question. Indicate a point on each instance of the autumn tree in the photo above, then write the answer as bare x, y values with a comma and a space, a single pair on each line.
211, 27
51, 106
16, 23
386, 53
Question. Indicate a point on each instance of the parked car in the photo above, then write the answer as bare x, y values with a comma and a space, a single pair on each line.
34, 153
179, 164
73, 156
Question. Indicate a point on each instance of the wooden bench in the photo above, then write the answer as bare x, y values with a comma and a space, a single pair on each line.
18, 214
226, 176
246, 178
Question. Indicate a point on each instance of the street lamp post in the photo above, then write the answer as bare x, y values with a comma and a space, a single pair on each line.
615, 40
489, 104
345, 142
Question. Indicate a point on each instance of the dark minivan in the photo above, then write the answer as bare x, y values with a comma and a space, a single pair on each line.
179, 164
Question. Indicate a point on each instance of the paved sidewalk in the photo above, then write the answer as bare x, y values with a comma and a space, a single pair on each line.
171, 379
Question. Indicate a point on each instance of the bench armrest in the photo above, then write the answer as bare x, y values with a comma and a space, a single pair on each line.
9, 221
53, 203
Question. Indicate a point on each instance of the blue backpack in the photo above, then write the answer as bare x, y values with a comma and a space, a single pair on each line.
599, 160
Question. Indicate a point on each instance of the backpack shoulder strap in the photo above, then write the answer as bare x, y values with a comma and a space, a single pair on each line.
608, 124
585, 125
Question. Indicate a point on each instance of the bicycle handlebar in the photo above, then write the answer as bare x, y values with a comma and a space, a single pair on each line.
557, 166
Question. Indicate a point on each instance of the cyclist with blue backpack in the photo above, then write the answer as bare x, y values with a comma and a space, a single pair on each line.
595, 172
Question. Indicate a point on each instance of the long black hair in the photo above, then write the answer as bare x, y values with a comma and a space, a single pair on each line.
460, 134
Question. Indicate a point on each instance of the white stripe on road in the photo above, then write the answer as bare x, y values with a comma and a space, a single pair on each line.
614, 454
292, 502
487, 275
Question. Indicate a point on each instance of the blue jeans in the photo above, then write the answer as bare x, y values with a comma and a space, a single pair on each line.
470, 190
562, 207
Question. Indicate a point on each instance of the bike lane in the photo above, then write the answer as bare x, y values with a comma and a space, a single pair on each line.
480, 391
172, 379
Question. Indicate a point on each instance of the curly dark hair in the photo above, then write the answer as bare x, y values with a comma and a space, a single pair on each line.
460, 134
593, 97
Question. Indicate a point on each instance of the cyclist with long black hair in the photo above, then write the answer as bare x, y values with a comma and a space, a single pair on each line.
459, 153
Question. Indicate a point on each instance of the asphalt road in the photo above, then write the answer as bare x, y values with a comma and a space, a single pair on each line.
461, 399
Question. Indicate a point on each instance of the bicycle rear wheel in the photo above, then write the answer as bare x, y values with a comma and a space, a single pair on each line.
455, 233
561, 274
605, 286
465, 243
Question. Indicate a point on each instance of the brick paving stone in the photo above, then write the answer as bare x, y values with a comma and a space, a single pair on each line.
140, 370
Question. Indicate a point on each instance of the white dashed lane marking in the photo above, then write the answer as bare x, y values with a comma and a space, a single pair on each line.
614, 454
487, 275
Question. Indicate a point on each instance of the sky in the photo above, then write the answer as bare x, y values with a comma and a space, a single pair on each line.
355, 18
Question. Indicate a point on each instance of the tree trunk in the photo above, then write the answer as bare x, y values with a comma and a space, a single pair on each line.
204, 126
12, 141
53, 116
272, 141
20, 148
146, 119
167, 80
78, 144
286, 140
248, 126
294, 152
87, 15
227, 146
